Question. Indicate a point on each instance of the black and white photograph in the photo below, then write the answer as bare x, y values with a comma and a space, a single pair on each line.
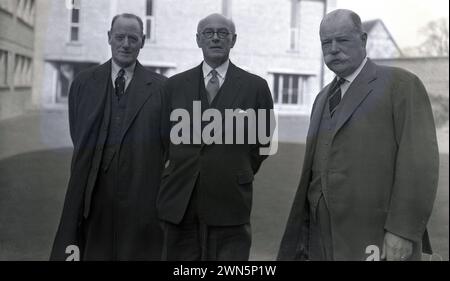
224, 130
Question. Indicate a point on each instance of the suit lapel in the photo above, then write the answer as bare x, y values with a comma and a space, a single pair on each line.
356, 93
191, 93
98, 92
192, 89
316, 118
139, 92
230, 88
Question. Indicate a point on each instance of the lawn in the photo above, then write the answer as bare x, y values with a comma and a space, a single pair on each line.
32, 189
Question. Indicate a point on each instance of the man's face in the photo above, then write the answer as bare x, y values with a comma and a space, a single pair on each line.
343, 47
126, 40
216, 39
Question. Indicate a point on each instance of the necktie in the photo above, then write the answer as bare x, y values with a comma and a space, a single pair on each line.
335, 95
213, 86
119, 83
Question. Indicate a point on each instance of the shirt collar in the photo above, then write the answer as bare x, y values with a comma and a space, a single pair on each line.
129, 71
353, 76
221, 70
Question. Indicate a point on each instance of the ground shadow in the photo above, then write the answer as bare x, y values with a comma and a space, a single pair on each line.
32, 189
33, 185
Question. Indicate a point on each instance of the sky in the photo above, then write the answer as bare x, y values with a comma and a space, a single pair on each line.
403, 18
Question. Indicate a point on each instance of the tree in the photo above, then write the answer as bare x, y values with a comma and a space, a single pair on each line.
436, 38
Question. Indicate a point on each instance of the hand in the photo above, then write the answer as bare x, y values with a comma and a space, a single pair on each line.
396, 248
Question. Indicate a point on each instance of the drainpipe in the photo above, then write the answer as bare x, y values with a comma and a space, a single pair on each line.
322, 63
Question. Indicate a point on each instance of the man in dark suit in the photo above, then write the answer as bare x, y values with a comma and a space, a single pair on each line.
370, 171
205, 197
114, 114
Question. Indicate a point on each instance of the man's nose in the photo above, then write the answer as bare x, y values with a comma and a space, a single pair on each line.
126, 42
215, 37
334, 47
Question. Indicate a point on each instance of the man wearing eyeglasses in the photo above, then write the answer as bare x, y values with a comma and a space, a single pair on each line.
114, 115
205, 197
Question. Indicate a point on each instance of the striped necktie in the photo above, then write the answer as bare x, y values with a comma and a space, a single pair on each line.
119, 83
213, 86
334, 95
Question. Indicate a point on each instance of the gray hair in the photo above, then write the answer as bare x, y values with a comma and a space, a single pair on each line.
128, 16
341, 13
229, 22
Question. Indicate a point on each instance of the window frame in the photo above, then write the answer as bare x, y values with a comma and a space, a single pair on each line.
23, 66
149, 35
25, 11
4, 54
294, 29
75, 25
297, 98
8, 6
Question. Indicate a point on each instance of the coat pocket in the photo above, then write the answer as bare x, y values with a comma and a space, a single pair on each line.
167, 171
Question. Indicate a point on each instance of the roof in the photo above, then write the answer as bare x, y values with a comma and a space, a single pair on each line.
370, 24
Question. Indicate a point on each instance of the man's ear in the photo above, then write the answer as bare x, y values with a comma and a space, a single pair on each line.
197, 38
364, 39
233, 41
143, 41
109, 37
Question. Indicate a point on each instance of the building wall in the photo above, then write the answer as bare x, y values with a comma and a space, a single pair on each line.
174, 44
16, 56
41, 23
433, 71
94, 23
263, 42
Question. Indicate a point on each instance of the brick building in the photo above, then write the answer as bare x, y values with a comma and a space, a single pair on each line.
277, 39
433, 71
17, 24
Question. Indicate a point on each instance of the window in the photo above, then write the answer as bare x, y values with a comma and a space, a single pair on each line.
22, 71
26, 11
294, 29
75, 24
226, 8
7, 6
66, 71
149, 21
3, 68
290, 89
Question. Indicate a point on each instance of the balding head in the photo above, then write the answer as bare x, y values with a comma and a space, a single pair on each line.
343, 41
343, 17
216, 36
216, 19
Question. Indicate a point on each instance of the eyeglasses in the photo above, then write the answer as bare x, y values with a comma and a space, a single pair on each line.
222, 34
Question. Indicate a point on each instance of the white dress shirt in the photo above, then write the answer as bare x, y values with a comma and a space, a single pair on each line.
221, 72
350, 78
129, 72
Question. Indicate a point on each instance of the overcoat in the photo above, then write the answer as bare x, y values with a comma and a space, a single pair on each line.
141, 160
382, 169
